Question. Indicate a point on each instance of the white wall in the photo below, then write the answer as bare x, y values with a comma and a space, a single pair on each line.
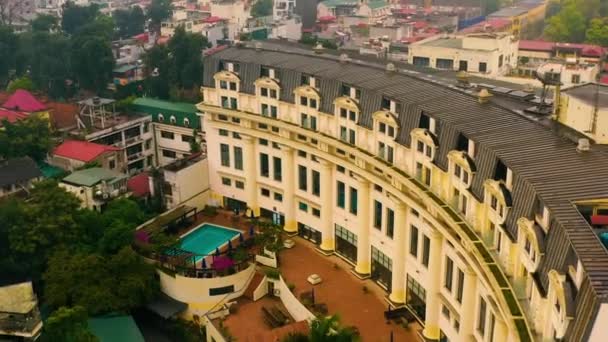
296, 309
195, 291
261, 290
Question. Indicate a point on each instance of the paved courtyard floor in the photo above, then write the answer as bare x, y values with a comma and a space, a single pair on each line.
342, 292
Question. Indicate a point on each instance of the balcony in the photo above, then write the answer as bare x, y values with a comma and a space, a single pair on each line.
26, 325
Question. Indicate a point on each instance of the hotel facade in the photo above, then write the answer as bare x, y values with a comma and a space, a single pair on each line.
462, 210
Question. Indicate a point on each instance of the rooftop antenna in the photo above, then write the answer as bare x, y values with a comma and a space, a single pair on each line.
543, 108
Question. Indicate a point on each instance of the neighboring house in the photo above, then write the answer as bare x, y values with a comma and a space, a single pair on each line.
95, 187
139, 185
19, 315
569, 73
17, 175
493, 54
22, 101
73, 154
337, 8
186, 181
99, 122
374, 10
585, 109
522, 15
175, 126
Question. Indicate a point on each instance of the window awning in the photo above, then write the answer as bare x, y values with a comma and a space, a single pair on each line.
166, 306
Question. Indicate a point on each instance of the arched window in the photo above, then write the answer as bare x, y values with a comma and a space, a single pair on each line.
186, 122
161, 118
172, 119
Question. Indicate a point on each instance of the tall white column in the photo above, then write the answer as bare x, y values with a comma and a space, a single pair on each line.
398, 277
363, 267
467, 315
431, 324
500, 331
327, 237
251, 184
289, 182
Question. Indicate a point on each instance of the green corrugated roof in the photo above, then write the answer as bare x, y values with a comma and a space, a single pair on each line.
335, 3
373, 4
50, 171
165, 105
124, 68
115, 329
92, 176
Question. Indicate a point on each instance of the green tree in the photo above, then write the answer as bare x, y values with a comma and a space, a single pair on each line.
50, 62
45, 23
597, 33
158, 65
120, 218
326, 329
261, 8
75, 17
68, 324
129, 22
186, 51
14, 268
158, 11
30, 137
117, 283
24, 83
92, 61
8, 52
568, 25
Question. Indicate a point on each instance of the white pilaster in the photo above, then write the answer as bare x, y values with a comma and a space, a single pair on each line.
431, 324
327, 237
363, 246
251, 188
398, 278
289, 189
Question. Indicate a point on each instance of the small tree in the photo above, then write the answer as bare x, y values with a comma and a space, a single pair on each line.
261, 8
24, 83
68, 324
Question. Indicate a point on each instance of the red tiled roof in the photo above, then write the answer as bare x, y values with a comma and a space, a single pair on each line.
23, 100
82, 150
63, 115
604, 79
536, 45
587, 50
11, 115
213, 50
420, 24
142, 37
212, 19
493, 24
139, 185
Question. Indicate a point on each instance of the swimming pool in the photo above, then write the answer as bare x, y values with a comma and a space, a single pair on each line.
204, 239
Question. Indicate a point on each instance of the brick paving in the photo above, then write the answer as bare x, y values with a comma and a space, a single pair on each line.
342, 292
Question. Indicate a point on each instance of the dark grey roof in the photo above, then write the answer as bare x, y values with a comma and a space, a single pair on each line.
590, 94
544, 160
18, 170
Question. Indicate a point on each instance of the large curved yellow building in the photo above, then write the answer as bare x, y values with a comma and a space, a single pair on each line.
464, 211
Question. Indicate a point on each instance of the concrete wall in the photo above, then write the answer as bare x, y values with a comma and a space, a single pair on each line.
261, 290
296, 309
195, 291
189, 185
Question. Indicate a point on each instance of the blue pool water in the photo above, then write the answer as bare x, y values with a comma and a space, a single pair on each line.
206, 238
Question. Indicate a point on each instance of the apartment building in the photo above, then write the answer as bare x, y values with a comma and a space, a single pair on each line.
100, 123
463, 211
493, 54
176, 127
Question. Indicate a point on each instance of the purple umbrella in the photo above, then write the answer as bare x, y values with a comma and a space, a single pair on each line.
222, 262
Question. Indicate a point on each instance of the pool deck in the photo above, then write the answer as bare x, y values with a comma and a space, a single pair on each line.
342, 292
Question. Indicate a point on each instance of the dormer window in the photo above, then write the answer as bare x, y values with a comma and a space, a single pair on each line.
348, 114
465, 144
541, 214
461, 174
269, 110
351, 92
268, 92
503, 173
172, 120
424, 149
268, 72
308, 102
390, 105
308, 80
186, 122
428, 123
385, 152
230, 66
228, 85
161, 118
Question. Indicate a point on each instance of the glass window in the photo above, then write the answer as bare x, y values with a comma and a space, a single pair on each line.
170, 154
481, 320
316, 212
341, 198
316, 183
239, 185
278, 197
449, 273
377, 215
302, 178
223, 133
277, 169
460, 289
265, 192
303, 206
304, 101
343, 113
353, 201
426, 250
414, 241
226, 181
167, 135
390, 223
313, 103
238, 158
225, 155
264, 165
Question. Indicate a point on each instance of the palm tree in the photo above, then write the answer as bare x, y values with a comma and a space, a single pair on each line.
325, 330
